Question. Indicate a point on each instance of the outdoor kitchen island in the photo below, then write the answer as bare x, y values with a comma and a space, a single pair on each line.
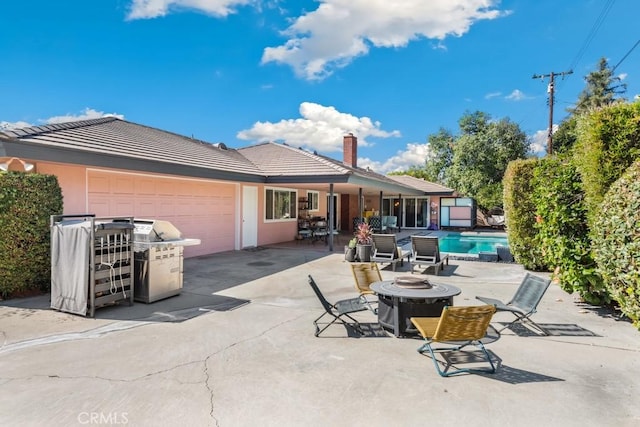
406, 297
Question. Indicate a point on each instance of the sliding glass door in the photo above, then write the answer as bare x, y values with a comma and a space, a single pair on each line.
415, 211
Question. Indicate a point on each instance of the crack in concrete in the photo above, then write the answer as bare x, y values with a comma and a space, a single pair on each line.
211, 395
121, 326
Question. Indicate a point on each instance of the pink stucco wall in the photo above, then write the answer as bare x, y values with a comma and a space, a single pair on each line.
201, 209
73, 181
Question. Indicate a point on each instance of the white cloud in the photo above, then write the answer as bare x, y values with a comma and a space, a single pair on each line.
338, 31
539, 141
516, 95
492, 95
320, 128
415, 155
14, 125
622, 76
87, 114
146, 9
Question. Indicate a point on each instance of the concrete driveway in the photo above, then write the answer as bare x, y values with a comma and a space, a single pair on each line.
236, 348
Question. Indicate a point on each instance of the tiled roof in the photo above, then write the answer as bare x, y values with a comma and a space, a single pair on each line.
421, 184
282, 160
110, 135
271, 161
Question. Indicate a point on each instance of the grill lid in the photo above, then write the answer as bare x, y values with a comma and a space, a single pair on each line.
154, 230
150, 233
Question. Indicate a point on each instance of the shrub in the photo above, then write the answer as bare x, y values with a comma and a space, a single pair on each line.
520, 214
563, 231
616, 242
26, 203
608, 143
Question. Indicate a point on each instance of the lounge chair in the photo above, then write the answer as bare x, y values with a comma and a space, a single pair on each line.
386, 249
456, 328
338, 310
364, 274
525, 301
496, 221
425, 250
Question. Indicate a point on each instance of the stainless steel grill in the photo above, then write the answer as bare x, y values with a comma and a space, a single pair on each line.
158, 255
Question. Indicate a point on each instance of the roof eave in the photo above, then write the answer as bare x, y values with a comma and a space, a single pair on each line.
36, 152
384, 186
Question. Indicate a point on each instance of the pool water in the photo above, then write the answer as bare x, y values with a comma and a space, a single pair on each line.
460, 244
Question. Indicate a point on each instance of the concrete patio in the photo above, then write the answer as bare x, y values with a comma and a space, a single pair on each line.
236, 348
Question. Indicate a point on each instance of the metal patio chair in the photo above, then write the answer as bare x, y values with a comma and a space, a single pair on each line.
386, 249
425, 250
456, 328
525, 301
338, 310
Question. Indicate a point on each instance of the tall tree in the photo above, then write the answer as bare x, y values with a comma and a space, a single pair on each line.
481, 155
602, 89
440, 156
474, 162
565, 136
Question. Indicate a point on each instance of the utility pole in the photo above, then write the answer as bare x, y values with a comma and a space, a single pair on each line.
550, 90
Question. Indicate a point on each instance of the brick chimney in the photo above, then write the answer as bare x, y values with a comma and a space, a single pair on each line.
350, 151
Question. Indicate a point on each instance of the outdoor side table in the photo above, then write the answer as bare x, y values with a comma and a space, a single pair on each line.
397, 304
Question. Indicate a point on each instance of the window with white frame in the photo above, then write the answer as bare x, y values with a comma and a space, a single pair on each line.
313, 197
280, 204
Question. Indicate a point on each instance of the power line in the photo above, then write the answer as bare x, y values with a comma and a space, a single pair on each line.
592, 33
551, 90
625, 56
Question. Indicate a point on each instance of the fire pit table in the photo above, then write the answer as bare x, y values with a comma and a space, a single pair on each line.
406, 297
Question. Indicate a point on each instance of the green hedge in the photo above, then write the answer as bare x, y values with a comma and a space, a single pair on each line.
563, 230
26, 203
616, 240
520, 212
608, 142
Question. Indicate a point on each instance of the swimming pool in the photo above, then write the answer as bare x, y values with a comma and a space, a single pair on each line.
464, 244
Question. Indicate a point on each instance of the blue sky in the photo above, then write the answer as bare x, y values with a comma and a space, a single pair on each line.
307, 72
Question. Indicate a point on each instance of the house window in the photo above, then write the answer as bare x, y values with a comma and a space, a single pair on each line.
313, 197
280, 204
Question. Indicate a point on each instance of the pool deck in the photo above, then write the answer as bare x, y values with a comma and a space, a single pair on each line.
237, 348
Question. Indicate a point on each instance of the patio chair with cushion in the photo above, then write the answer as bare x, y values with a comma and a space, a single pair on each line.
386, 249
456, 328
525, 301
338, 310
364, 274
425, 250
392, 223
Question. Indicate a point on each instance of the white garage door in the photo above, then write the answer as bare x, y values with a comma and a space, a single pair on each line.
200, 209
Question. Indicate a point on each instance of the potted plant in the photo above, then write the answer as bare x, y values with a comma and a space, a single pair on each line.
350, 250
364, 239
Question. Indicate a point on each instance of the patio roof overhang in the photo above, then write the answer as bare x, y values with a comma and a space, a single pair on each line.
346, 184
